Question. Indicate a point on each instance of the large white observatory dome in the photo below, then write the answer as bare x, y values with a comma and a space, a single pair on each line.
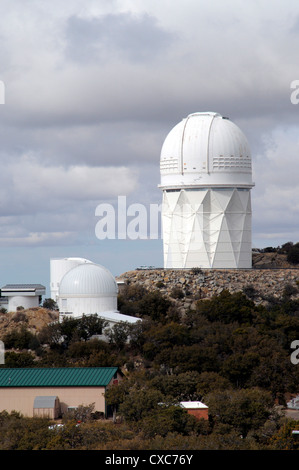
206, 178
205, 149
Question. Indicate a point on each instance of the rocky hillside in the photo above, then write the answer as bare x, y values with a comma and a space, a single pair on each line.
270, 261
33, 319
270, 277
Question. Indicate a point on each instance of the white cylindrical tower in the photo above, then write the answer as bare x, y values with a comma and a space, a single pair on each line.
58, 268
206, 179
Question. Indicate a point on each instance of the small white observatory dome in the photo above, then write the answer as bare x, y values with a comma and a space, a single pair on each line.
205, 149
87, 289
88, 279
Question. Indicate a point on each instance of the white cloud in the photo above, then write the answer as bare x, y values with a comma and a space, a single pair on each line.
28, 184
93, 88
276, 196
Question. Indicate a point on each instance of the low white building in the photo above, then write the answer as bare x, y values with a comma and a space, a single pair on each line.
22, 295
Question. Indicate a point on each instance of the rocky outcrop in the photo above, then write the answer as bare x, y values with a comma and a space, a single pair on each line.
187, 286
32, 319
273, 260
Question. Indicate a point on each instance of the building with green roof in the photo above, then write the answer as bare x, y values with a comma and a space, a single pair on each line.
53, 391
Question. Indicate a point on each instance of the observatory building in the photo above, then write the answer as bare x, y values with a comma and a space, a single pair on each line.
15, 296
206, 178
86, 289
81, 287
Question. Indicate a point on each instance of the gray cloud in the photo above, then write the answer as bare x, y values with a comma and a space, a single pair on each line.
93, 88
116, 36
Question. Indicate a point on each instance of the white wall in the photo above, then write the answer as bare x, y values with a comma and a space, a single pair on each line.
22, 301
87, 305
210, 228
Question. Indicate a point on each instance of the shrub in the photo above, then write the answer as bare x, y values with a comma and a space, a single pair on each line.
293, 255
177, 293
160, 284
19, 316
21, 339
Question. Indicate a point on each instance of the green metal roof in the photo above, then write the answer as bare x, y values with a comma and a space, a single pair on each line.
57, 377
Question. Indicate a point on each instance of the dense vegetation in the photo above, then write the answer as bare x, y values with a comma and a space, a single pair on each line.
228, 352
290, 249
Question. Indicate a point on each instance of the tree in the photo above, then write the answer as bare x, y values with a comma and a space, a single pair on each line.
69, 437
164, 336
154, 305
286, 247
15, 359
293, 254
128, 299
274, 373
180, 387
140, 403
138, 334
115, 395
239, 367
168, 419
90, 325
210, 381
240, 410
62, 334
228, 308
21, 338
118, 334
81, 414
184, 358
283, 438
19, 433
50, 304
135, 300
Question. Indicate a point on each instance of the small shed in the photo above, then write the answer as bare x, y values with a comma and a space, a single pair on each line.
46, 407
196, 408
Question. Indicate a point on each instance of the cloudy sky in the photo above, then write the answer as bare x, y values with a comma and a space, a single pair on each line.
92, 87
